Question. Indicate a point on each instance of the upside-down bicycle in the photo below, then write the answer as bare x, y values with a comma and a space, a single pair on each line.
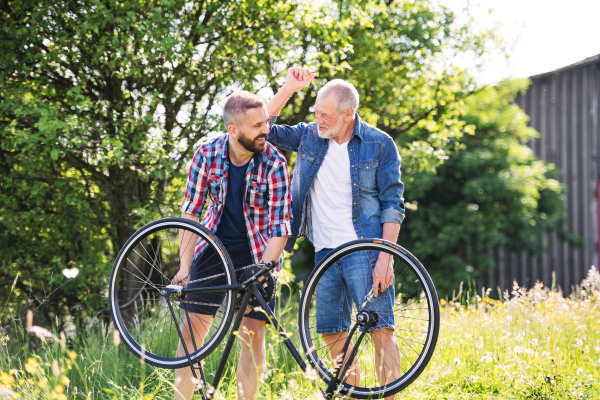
149, 311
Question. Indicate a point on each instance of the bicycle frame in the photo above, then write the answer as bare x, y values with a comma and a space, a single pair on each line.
251, 288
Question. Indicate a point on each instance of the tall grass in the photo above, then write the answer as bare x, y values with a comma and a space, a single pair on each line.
531, 344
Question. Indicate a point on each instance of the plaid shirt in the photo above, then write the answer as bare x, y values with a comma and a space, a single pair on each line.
267, 203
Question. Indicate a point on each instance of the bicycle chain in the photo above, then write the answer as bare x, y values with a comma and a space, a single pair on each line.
199, 303
215, 276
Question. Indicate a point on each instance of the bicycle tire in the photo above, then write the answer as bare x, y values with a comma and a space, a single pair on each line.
414, 286
142, 316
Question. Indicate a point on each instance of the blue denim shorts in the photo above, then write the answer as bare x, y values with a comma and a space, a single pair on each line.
208, 264
344, 283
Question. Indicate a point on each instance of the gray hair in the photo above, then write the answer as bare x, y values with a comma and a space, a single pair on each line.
237, 104
346, 95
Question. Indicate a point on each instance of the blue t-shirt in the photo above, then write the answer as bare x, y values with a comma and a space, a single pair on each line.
232, 226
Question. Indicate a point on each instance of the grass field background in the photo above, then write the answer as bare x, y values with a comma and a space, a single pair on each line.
530, 344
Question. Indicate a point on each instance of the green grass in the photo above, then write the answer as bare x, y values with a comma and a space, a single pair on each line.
533, 344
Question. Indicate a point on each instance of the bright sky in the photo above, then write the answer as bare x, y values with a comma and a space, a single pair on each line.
549, 34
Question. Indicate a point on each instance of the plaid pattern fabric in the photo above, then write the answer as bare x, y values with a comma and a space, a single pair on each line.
267, 202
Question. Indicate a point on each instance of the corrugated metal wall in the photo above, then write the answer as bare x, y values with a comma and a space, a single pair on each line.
564, 107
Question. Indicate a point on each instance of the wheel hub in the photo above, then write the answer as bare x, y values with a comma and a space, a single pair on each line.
172, 292
367, 318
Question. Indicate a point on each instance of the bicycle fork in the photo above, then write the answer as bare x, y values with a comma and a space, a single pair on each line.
365, 319
203, 388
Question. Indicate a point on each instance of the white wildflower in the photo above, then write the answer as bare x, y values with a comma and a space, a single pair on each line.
487, 358
70, 273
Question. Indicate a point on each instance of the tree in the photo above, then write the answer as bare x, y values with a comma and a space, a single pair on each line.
402, 64
103, 103
492, 193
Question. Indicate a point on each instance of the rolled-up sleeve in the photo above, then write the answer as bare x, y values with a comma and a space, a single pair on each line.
280, 210
196, 187
390, 185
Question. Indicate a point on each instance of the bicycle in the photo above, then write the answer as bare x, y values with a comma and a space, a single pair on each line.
152, 314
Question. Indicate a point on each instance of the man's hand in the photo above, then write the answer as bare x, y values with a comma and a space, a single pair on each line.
299, 77
181, 277
383, 273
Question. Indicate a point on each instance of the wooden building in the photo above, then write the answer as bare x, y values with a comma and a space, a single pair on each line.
564, 107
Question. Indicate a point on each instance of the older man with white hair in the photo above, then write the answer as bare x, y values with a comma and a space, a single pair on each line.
346, 186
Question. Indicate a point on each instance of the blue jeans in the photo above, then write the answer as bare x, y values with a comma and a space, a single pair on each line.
344, 283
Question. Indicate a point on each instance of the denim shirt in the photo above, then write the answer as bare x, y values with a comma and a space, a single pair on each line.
374, 173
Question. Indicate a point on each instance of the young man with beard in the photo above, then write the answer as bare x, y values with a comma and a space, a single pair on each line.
246, 179
346, 187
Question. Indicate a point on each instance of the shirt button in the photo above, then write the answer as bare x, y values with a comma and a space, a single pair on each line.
354, 220
355, 184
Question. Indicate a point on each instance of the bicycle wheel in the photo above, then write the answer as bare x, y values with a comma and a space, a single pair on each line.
144, 267
392, 353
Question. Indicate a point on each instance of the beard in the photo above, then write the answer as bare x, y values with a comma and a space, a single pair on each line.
331, 132
250, 144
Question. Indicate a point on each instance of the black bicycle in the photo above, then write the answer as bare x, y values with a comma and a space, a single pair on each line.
153, 315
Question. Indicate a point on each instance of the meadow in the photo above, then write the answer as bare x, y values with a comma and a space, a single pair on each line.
529, 344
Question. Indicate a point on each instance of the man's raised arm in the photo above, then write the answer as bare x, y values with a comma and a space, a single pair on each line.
297, 78
283, 136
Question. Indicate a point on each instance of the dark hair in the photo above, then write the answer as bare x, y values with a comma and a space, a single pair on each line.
237, 104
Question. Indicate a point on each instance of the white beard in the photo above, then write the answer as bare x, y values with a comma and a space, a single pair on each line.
330, 133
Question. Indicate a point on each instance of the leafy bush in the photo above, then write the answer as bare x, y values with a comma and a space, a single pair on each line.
491, 193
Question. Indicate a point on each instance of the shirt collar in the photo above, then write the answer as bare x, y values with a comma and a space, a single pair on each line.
257, 159
358, 127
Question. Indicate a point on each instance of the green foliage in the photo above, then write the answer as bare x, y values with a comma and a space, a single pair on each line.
492, 193
103, 103
400, 61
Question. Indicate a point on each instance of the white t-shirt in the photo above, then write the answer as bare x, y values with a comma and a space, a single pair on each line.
331, 200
